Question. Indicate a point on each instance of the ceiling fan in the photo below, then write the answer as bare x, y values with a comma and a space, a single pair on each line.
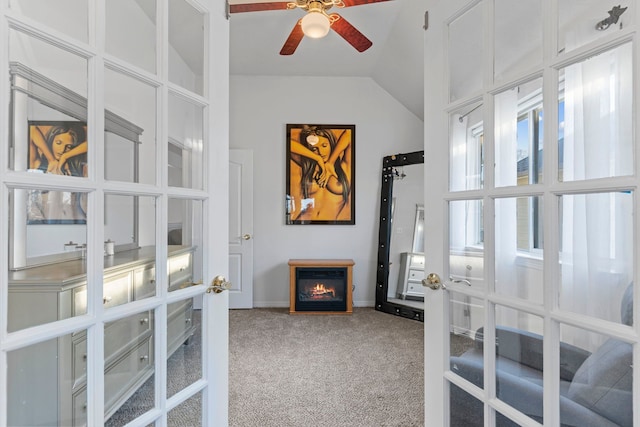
315, 23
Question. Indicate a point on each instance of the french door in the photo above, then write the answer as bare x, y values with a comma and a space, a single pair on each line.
532, 284
114, 166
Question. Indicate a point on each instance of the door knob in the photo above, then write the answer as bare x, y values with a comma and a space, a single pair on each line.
433, 281
246, 236
219, 284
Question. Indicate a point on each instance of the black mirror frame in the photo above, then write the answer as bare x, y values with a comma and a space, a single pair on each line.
389, 165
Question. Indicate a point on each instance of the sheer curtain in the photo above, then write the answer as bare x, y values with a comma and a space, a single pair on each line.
597, 241
506, 278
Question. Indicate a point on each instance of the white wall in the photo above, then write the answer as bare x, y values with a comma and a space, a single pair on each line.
260, 108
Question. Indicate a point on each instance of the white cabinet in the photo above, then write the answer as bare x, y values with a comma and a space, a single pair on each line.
57, 386
411, 275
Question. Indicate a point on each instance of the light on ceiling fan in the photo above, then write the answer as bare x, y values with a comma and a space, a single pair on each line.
315, 25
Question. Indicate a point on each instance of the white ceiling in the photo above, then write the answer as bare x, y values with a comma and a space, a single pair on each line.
395, 61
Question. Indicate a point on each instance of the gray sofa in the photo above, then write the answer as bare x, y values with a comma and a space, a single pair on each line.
595, 388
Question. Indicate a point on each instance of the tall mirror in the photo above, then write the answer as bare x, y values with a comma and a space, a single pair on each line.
400, 267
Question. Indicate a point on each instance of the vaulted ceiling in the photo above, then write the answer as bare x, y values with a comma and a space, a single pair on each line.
395, 60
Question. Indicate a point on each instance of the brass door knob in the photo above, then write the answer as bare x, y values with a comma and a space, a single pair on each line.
433, 281
246, 236
218, 284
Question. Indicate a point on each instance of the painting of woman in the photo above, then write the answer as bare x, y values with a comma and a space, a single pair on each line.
320, 171
57, 148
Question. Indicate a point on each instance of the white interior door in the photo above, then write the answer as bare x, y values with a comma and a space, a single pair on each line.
107, 251
532, 226
241, 228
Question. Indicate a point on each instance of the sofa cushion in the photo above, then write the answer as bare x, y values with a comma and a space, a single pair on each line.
603, 382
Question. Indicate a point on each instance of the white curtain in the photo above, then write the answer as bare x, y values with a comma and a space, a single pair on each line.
597, 240
506, 174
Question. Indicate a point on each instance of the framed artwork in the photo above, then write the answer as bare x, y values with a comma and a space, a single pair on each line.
320, 174
57, 147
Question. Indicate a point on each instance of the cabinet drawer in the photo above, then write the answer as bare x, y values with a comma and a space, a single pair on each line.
122, 333
79, 408
180, 324
415, 289
118, 336
127, 372
144, 282
180, 270
416, 275
417, 261
79, 359
117, 290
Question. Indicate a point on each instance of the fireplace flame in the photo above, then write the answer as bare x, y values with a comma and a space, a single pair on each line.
320, 290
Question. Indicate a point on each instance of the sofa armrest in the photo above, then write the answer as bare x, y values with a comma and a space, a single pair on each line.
526, 348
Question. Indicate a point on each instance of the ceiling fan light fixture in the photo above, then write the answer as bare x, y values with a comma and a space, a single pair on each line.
315, 25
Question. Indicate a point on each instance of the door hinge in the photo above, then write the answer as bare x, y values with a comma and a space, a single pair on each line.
426, 20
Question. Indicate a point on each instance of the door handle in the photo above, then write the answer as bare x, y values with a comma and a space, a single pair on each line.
433, 281
218, 284
246, 236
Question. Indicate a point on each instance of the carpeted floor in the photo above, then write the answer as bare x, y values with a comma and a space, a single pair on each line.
325, 370
364, 370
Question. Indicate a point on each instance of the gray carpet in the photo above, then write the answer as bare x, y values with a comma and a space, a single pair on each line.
325, 370
362, 370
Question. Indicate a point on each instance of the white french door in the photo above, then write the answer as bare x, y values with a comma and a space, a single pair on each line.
113, 302
532, 229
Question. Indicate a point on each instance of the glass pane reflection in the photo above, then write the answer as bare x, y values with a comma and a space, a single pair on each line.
184, 345
596, 253
186, 37
465, 53
48, 385
68, 17
595, 126
583, 21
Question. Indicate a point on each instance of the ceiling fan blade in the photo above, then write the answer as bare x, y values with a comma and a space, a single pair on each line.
350, 34
257, 7
294, 39
348, 3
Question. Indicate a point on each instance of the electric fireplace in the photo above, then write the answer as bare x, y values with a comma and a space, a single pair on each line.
321, 286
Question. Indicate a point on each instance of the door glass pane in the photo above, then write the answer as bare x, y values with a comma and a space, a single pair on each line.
186, 40
184, 344
188, 413
465, 53
466, 148
185, 236
519, 251
583, 21
47, 383
466, 317
128, 358
130, 134
47, 251
48, 108
68, 16
466, 239
596, 252
186, 140
595, 117
465, 410
518, 36
596, 372
519, 361
131, 32
519, 135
